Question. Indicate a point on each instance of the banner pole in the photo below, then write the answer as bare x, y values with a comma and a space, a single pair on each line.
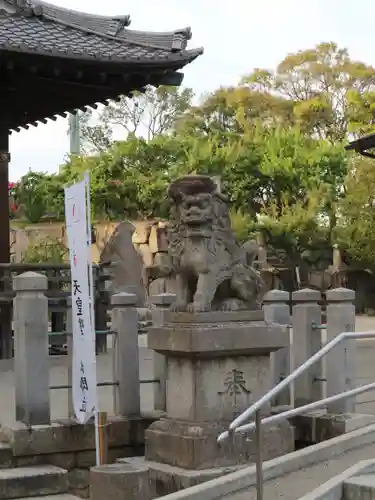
98, 451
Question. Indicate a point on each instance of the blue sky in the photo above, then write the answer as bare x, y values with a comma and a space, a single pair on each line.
237, 36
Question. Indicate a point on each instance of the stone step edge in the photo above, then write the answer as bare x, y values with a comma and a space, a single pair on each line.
239, 481
60, 496
334, 487
366, 479
33, 481
31, 471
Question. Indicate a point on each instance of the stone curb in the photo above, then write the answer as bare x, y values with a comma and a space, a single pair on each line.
240, 480
334, 487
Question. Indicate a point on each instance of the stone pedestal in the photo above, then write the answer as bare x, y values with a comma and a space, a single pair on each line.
218, 364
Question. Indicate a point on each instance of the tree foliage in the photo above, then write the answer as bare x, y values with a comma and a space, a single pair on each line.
331, 94
150, 113
356, 215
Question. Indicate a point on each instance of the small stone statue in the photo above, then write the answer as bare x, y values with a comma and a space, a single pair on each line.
212, 271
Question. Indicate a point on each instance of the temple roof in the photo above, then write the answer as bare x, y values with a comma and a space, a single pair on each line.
33, 26
55, 60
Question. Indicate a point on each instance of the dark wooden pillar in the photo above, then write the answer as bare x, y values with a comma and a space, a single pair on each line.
4, 199
6, 344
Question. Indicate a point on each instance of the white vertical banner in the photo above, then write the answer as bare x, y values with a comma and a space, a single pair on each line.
84, 390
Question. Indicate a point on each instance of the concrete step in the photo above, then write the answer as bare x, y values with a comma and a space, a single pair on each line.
64, 496
360, 488
295, 485
26, 482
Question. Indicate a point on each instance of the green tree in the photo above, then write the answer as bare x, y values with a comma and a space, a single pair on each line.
31, 195
332, 95
150, 113
235, 110
47, 250
355, 230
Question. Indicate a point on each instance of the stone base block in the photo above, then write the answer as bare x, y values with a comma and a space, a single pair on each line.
67, 436
32, 481
319, 426
119, 482
193, 445
166, 479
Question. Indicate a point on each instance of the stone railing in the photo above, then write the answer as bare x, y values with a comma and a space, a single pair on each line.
58, 283
32, 363
304, 318
311, 326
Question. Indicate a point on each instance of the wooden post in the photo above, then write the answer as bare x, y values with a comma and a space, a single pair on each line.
6, 347
103, 437
4, 198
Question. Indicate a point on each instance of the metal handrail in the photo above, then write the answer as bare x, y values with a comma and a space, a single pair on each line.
293, 412
291, 378
235, 426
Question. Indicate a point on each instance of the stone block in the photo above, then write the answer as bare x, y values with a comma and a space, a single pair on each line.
87, 459
215, 389
63, 460
202, 335
162, 259
6, 457
78, 479
145, 252
214, 317
158, 286
194, 445
126, 261
67, 436
32, 481
361, 487
158, 239
142, 232
318, 426
119, 482
166, 479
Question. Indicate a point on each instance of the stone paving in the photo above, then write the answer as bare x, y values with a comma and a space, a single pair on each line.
58, 376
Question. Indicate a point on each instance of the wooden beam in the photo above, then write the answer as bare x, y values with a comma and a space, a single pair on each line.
30, 100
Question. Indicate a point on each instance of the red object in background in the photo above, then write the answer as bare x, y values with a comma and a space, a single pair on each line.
13, 207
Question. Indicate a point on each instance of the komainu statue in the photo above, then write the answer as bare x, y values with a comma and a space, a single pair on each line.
212, 271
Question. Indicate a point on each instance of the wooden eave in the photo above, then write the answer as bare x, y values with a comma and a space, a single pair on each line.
50, 66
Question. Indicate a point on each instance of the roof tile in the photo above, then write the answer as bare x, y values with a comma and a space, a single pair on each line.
37, 27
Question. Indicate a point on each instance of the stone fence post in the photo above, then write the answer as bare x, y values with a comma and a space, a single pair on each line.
341, 360
306, 322
31, 358
162, 303
125, 354
276, 310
